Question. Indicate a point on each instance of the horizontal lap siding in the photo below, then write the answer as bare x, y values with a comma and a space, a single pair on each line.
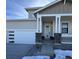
58, 8
21, 25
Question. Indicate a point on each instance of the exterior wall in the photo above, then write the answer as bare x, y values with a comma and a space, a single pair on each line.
24, 31
58, 8
54, 25
7, 37
68, 20
21, 24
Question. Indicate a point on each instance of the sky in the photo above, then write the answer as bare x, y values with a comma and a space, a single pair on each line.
15, 9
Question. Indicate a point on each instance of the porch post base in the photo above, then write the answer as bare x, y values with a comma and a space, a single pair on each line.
57, 37
38, 37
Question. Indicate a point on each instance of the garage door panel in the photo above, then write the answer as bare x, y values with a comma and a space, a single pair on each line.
25, 37
22, 36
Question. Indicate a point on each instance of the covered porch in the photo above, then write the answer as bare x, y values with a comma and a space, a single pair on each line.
54, 28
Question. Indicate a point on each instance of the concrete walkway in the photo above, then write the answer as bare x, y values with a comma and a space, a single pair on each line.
46, 49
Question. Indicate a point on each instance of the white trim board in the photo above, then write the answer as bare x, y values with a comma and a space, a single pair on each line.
66, 42
66, 35
21, 30
55, 15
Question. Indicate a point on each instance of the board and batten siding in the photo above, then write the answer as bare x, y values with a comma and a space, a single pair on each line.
67, 19
59, 8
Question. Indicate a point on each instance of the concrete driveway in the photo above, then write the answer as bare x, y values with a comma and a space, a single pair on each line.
17, 51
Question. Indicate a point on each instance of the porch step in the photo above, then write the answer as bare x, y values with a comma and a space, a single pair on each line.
66, 42
63, 46
46, 49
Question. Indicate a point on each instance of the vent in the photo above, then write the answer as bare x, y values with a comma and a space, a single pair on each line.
11, 37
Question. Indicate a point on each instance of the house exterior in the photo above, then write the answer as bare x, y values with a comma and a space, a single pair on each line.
51, 21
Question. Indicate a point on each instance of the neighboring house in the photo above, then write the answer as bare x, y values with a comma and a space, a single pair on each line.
51, 21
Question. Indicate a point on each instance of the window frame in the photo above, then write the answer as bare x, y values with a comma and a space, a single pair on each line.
65, 32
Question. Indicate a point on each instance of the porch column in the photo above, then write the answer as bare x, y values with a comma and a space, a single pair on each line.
57, 35
37, 24
56, 24
40, 25
39, 29
59, 24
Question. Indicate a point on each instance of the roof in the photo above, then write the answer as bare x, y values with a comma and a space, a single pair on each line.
32, 8
52, 3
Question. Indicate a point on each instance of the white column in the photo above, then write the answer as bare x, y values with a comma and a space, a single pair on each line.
37, 24
59, 24
40, 25
56, 24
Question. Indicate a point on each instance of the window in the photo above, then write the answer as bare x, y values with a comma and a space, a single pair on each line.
64, 27
11, 31
11, 37
11, 41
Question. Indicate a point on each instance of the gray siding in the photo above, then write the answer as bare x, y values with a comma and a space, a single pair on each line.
67, 19
58, 8
21, 24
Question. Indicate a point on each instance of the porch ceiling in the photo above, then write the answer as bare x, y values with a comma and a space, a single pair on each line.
48, 18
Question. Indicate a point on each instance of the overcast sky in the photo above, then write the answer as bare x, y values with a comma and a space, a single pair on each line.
15, 8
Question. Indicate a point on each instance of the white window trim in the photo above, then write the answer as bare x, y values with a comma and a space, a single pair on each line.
68, 26
66, 35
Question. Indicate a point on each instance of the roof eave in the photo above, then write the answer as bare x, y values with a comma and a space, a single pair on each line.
31, 8
52, 3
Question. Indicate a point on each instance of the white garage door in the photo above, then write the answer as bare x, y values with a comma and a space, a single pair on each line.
23, 36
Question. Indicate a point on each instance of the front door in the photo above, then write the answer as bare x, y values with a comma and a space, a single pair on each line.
47, 30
